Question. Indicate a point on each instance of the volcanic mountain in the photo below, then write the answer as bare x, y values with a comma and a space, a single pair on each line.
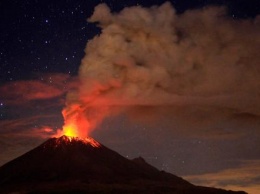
74, 165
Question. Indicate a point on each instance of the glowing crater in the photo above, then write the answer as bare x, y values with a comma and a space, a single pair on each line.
70, 139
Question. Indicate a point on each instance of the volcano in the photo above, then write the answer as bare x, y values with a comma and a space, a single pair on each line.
74, 165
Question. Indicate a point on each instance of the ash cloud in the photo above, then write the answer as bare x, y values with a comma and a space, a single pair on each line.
197, 63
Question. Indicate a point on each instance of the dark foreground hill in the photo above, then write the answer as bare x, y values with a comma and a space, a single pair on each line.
73, 165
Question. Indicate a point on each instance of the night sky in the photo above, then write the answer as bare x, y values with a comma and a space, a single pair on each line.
41, 47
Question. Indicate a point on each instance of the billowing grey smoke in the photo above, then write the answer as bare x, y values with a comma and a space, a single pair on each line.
152, 57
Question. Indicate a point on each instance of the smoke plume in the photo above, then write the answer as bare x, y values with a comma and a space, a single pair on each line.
156, 59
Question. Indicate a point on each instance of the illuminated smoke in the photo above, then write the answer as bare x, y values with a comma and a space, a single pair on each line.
153, 57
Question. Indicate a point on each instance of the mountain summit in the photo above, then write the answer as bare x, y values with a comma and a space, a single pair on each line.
74, 165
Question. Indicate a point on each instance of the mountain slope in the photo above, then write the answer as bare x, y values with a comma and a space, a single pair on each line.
61, 165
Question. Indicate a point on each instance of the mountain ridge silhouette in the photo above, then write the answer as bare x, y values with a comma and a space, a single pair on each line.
74, 165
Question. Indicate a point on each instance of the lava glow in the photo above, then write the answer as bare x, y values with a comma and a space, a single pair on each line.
69, 139
70, 130
76, 124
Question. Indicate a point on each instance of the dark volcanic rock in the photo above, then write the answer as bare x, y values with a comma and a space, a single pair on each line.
73, 165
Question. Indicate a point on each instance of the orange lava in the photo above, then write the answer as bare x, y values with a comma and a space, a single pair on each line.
80, 119
70, 130
76, 123
70, 139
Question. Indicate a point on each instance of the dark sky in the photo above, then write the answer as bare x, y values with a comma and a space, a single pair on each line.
42, 44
